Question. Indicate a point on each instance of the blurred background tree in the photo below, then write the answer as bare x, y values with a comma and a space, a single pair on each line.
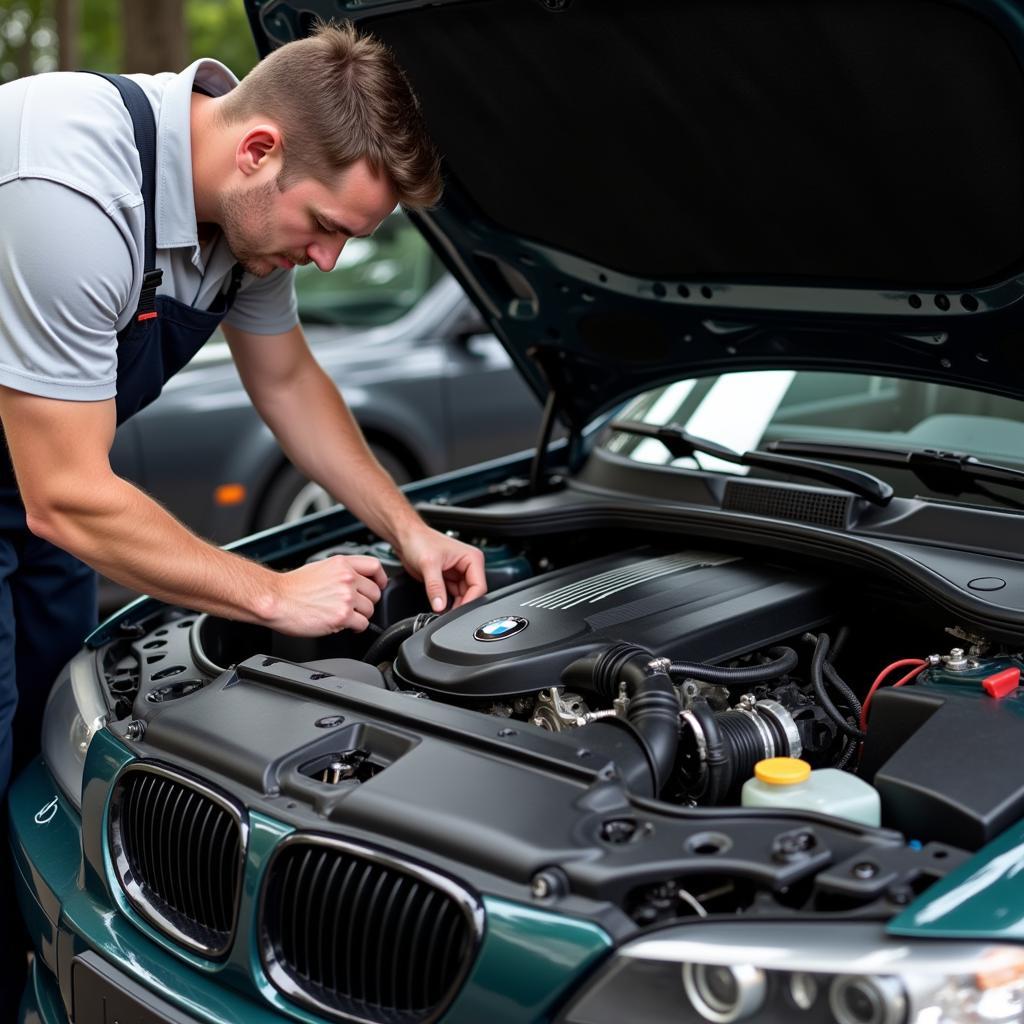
121, 35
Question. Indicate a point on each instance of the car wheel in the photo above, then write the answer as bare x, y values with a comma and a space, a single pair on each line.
293, 495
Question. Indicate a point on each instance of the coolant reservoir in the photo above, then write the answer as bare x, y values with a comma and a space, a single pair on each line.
788, 783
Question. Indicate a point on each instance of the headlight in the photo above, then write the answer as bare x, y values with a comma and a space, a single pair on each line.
75, 712
829, 973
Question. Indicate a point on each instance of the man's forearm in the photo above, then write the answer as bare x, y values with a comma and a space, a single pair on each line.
73, 499
321, 437
125, 535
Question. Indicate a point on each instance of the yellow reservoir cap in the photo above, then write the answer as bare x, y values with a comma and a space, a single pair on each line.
782, 771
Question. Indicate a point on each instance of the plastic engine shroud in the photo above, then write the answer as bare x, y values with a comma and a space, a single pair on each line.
692, 605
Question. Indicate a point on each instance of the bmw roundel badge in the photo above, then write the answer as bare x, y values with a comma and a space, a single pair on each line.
499, 629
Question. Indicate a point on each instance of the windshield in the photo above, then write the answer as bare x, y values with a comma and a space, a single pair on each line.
375, 281
748, 410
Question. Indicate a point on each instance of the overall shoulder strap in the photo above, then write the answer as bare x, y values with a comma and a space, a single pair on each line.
144, 128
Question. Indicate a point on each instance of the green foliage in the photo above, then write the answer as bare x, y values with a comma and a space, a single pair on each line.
28, 38
99, 37
28, 35
219, 28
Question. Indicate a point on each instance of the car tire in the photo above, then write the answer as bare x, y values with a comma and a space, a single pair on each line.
293, 495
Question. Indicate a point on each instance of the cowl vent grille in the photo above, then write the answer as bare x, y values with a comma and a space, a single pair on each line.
819, 508
358, 935
178, 849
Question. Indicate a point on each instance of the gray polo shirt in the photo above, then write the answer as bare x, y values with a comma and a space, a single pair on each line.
72, 228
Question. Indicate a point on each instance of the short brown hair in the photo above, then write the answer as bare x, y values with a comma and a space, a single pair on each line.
340, 97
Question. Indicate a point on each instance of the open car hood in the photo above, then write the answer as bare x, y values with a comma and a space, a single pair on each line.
639, 192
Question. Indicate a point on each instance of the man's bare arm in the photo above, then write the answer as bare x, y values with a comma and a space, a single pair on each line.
73, 499
309, 417
302, 406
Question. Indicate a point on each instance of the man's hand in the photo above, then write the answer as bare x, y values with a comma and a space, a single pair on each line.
308, 416
330, 595
447, 567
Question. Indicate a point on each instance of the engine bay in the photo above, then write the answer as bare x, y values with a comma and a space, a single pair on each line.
591, 727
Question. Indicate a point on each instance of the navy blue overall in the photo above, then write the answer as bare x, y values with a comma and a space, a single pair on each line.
48, 597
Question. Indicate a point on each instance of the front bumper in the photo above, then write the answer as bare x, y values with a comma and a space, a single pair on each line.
81, 925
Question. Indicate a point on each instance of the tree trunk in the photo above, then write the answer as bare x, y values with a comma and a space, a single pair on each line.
23, 57
155, 39
68, 25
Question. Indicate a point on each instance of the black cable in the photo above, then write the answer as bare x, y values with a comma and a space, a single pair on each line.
821, 645
784, 659
847, 755
844, 690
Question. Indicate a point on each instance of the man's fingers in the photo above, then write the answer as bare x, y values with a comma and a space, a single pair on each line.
474, 579
368, 588
369, 567
357, 623
433, 582
362, 606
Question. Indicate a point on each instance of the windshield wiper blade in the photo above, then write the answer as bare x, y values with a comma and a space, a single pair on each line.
943, 471
681, 444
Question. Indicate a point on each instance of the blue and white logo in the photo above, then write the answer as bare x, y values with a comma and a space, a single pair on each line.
499, 629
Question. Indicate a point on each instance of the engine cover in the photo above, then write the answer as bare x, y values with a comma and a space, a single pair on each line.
685, 605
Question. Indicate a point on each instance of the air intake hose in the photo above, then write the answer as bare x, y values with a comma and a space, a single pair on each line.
652, 716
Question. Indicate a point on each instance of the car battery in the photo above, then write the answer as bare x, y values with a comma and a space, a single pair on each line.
944, 753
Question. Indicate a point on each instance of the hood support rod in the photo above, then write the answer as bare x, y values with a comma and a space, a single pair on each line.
547, 426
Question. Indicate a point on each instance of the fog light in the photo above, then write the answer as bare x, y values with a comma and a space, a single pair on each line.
724, 993
860, 999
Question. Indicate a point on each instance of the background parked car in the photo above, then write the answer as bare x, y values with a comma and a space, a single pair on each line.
432, 389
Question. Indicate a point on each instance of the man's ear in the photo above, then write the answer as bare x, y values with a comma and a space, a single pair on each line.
260, 144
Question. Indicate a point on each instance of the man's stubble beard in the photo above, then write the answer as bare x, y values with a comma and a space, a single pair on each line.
245, 221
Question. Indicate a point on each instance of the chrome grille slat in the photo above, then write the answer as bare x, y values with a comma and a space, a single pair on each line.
153, 797
286, 891
160, 874
450, 952
420, 996
405, 932
433, 942
369, 968
354, 986
178, 849
302, 931
325, 960
386, 940
342, 985
390, 943
191, 872
300, 962
209, 821
317, 929
215, 848
174, 850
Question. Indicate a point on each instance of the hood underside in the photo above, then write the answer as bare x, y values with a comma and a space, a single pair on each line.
641, 192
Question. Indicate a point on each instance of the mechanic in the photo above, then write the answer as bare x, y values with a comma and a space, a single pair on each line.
139, 214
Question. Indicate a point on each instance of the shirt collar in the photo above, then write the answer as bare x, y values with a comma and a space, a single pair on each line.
175, 201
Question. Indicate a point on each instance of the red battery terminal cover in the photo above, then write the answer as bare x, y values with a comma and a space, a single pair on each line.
999, 684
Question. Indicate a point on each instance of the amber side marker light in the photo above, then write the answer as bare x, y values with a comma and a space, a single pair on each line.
229, 494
